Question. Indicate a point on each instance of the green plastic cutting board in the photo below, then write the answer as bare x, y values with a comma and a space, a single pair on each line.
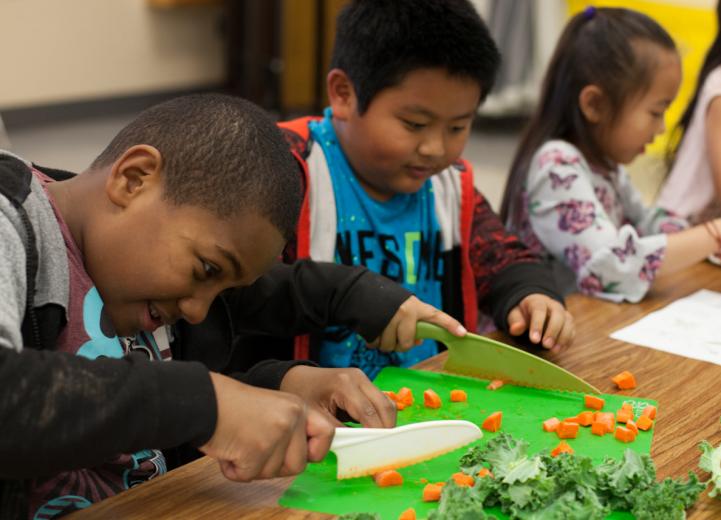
524, 409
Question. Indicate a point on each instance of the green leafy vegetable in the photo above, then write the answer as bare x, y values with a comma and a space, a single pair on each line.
542, 487
711, 462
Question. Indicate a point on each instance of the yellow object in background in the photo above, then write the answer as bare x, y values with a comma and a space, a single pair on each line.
692, 26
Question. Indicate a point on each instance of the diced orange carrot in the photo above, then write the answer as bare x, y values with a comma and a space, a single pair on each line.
624, 434
432, 493
400, 405
585, 418
495, 384
431, 399
598, 428
624, 380
461, 479
424, 481
644, 423
649, 411
624, 415
632, 426
459, 396
567, 430
408, 514
550, 425
485, 472
492, 423
563, 447
440, 484
573, 419
388, 478
405, 395
591, 401
606, 420
391, 394
628, 407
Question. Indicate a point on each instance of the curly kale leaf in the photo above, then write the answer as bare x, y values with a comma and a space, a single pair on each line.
619, 479
711, 461
668, 499
460, 503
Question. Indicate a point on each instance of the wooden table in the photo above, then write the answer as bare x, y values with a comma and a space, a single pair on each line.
688, 393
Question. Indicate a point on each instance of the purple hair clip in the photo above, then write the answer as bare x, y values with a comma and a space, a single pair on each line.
589, 12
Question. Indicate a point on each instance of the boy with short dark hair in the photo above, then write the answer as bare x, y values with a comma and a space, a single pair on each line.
192, 200
386, 187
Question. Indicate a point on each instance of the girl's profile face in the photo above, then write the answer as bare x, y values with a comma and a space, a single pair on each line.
641, 118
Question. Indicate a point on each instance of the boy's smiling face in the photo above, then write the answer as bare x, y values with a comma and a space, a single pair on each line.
408, 133
154, 262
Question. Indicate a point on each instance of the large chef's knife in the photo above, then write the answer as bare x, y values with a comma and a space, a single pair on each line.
482, 357
366, 451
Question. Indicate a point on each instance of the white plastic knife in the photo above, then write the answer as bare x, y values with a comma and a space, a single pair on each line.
366, 451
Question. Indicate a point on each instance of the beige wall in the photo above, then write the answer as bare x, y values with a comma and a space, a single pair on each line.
68, 50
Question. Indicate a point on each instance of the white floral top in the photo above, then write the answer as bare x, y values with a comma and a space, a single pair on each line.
594, 222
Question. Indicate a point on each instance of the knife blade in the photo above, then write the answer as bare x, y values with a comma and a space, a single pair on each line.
482, 357
366, 451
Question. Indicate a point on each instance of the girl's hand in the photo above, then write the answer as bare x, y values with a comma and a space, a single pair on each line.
547, 321
338, 390
400, 333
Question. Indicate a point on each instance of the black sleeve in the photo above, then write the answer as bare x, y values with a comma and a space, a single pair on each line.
516, 282
309, 296
60, 411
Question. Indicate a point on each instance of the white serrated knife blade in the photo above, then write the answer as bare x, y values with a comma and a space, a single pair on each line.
366, 451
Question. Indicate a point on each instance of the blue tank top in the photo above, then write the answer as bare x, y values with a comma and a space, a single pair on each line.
398, 238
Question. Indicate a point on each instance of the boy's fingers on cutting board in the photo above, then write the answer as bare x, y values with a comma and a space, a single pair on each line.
517, 323
364, 402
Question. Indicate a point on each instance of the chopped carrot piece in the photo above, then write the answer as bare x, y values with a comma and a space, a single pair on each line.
567, 430
628, 407
624, 380
649, 411
408, 514
405, 395
458, 396
440, 484
644, 423
632, 426
495, 384
585, 418
623, 415
591, 401
461, 479
550, 425
624, 434
432, 493
485, 472
563, 447
424, 481
401, 405
598, 428
388, 478
573, 419
606, 420
492, 423
431, 399
391, 394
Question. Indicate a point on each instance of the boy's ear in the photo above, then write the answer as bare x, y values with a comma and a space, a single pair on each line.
341, 94
592, 102
134, 172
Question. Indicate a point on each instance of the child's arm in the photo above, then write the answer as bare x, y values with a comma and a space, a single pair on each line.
713, 138
310, 296
514, 285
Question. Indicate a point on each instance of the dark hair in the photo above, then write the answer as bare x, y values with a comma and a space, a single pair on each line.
713, 60
219, 152
378, 42
599, 46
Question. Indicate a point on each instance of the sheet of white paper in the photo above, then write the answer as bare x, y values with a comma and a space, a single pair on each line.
687, 327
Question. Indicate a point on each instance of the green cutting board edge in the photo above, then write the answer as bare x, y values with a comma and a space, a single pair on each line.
524, 409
